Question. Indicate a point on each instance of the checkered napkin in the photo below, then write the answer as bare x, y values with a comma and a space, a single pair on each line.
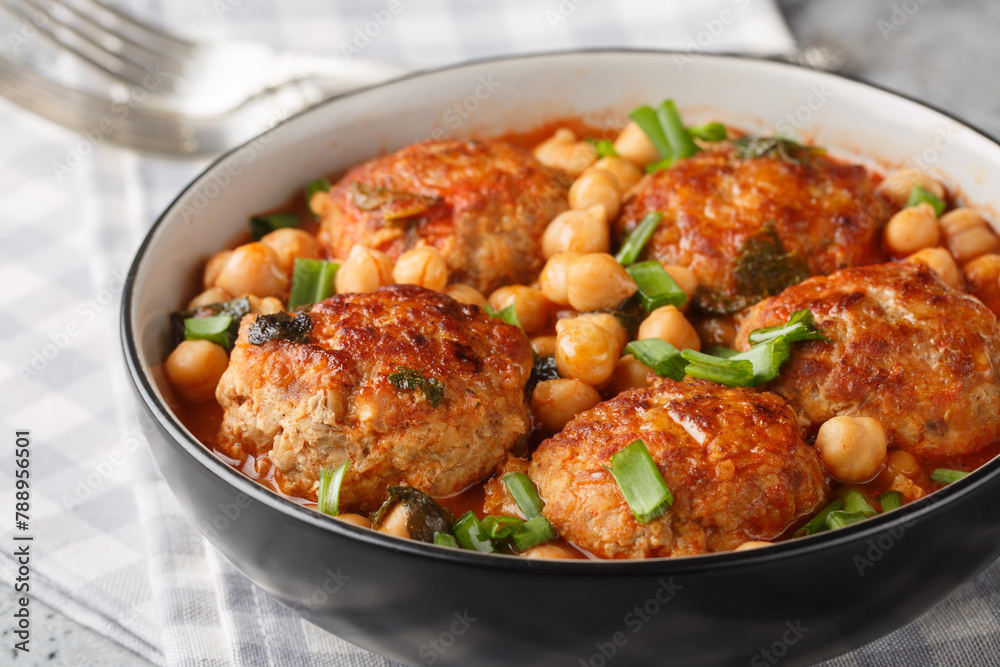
111, 547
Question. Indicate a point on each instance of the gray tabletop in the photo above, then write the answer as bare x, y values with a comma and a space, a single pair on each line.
938, 52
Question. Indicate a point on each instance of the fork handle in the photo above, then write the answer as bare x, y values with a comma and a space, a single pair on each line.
294, 66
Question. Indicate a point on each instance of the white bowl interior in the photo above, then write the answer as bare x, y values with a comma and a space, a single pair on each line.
495, 97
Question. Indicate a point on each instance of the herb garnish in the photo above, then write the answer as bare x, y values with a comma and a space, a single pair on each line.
280, 326
393, 204
751, 147
424, 516
407, 378
762, 268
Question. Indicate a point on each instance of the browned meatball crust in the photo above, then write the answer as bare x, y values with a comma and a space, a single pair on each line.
733, 459
824, 210
306, 406
484, 204
920, 357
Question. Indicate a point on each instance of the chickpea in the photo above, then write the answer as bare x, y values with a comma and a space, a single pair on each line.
291, 244
912, 229
611, 324
625, 172
466, 294
549, 550
194, 368
752, 544
897, 186
983, 275
716, 331
364, 270
207, 298
940, 262
355, 519
669, 324
253, 268
552, 279
593, 187
543, 346
585, 351
577, 231
266, 306
633, 145
596, 281
320, 203
853, 448
899, 463
214, 266
531, 306
394, 523
422, 266
563, 151
556, 402
630, 373
968, 235
685, 279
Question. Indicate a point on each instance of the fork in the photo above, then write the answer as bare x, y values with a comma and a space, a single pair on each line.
187, 88
99, 118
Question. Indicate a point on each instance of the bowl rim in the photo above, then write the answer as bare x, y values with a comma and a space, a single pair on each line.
871, 528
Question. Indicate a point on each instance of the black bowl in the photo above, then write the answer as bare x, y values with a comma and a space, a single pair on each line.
794, 602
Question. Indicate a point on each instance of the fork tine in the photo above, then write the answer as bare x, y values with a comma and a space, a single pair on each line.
139, 31
79, 45
161, 132
115, 41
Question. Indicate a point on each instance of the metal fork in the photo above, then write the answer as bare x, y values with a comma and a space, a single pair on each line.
189, 91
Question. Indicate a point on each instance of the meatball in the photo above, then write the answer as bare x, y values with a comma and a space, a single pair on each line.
483, 204
825, 214
733, 459
350, 391
920, 357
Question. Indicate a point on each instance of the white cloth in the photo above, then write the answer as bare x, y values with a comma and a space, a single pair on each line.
112, 548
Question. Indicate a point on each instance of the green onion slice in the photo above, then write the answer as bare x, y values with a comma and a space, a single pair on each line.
508, 315
215, 329
766, 359
603, 147
523, 490
470, 534
329, 489
818, 522
499, 527
890, 500
533, 532
640, 481
659, 355
720, 351
660, 165
801, 326
649, 123
947, 476
919, 195
656, 287
733, 372
319, 185
260, 225
839, 519
637, 240
312, 281
855, 502
680, 140
709, 132
445, 540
